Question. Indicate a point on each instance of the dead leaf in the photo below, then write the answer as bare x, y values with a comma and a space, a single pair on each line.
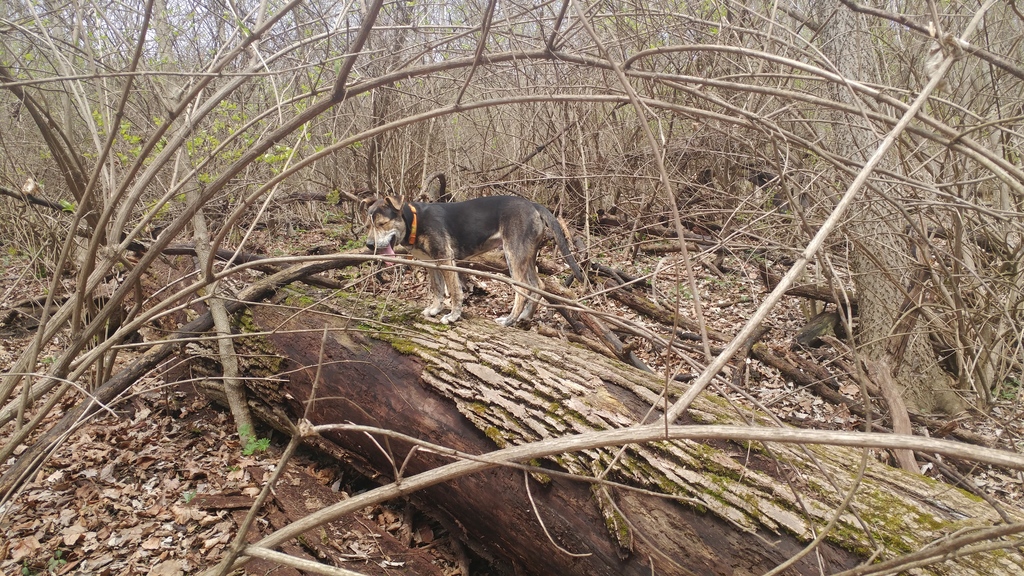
66, 516
141, 415
185, 514
152, 511
167, 568
107, 473
72, 534
25, 548
424, 535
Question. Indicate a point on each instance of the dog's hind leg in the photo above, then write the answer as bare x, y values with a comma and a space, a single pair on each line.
522, 238
451, 280
522, 266
531, 298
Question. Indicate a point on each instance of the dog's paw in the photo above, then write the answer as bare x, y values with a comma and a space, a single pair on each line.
432, 311
450, 317
505, 321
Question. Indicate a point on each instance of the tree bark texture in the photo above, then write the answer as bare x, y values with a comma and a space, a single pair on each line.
478, 386
890, 330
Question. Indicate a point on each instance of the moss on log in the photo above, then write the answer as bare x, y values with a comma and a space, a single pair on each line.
729, 507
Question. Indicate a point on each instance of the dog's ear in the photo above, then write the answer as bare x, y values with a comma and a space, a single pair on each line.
394, 202
366, 203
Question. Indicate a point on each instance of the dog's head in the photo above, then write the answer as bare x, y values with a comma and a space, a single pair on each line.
385, 225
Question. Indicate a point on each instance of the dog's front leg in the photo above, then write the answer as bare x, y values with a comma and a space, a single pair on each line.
451, 279
436, 293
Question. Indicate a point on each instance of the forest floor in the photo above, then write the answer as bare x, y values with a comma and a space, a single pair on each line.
159, 483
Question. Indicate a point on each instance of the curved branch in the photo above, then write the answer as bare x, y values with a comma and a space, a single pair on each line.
473, 463
56, 140
904, 20
754, 323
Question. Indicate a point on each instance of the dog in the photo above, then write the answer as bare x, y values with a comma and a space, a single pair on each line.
446, 232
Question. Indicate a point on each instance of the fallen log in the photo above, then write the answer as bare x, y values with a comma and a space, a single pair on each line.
671, 507
811, 291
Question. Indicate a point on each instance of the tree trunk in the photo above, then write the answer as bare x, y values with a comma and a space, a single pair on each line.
889, 329
477, 386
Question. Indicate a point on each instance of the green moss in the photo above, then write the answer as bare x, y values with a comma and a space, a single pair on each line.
888, 517
753, 510
820, 490
344, 295
509, 370
614, 522
301, 301
930, 522
540, 477
616, 525
665, 485
969, 495
477, 407
646, 473
405, 347
717, 401
245, 321
496, 436
401, 345
258, 357
850, 538
576, 417
390, 315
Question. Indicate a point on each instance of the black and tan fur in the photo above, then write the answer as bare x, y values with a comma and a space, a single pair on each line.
446, 232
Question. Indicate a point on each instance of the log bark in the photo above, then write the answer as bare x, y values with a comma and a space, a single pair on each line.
811, 291
476, 387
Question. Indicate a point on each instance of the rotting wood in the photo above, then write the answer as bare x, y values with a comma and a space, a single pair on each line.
793, 367
476, 386
811, 291
656, 311
823, 324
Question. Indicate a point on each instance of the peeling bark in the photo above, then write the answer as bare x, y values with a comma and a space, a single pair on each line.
478, 386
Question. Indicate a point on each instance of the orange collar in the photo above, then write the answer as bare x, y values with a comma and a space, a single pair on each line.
412, 228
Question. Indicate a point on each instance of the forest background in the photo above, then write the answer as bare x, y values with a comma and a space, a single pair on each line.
871, 149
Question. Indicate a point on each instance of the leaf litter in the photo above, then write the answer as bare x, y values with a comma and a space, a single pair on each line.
160, 487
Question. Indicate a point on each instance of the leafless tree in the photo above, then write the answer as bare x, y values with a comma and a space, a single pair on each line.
157, 123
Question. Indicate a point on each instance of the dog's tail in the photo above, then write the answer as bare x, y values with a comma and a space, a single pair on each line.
563, 243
